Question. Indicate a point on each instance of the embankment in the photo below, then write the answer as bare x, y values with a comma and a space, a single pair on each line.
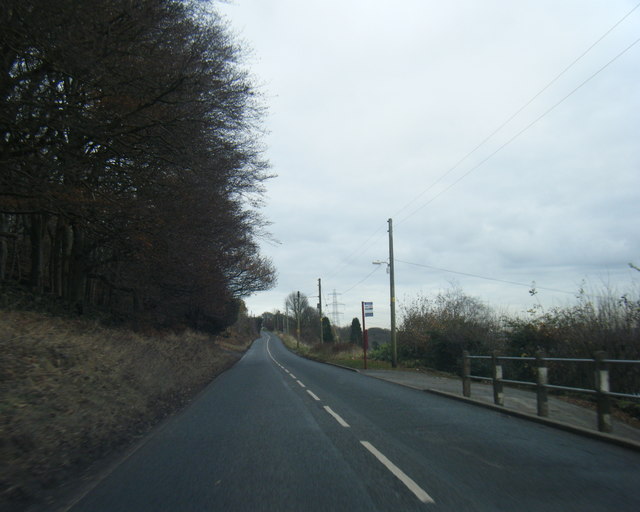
73, 391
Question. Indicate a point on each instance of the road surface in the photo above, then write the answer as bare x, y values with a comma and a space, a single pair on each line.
281, 433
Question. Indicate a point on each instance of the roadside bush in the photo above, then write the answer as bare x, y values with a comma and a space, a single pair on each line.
436, 331
606, 322
381, 353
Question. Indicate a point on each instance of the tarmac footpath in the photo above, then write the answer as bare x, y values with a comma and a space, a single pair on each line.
517, 402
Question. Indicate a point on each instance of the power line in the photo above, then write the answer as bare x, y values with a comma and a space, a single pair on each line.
468, 274
362, 280
359, 248
514, 137
355, 252
510, 118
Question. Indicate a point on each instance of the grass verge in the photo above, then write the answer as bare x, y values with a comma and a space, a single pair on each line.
343, 354
72, 391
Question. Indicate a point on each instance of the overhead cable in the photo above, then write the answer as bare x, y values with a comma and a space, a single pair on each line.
510, 118
468, 274
359, 248
514, 137
362, 280
350, 257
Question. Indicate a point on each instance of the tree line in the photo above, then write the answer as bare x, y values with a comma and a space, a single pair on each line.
131, 169
297, 308
300, 314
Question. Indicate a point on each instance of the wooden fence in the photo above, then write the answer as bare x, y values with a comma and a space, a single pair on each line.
601, 388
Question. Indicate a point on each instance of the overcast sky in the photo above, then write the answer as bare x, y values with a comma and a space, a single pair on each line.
375, 110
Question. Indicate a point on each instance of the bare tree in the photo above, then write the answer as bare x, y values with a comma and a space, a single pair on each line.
297, 303
130, 163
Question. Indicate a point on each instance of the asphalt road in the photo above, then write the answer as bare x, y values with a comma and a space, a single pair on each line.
281, 433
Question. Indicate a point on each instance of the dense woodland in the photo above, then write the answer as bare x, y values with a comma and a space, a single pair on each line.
130, 163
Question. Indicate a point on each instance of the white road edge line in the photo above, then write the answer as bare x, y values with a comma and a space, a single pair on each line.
269, 351
398, 473
274, 359
338, 419
313, 395
336, 416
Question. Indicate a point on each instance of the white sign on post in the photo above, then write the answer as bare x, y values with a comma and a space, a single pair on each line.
368, 308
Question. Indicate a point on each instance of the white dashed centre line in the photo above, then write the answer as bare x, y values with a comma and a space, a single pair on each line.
313, 395
399, 474
336, 416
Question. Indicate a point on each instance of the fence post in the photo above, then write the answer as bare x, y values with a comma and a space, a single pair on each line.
602, 390
498, 394
542, 381
466, 372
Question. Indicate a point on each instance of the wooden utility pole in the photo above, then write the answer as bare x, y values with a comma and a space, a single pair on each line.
392, 288
320, 308
365, 335
286, 318
298, 323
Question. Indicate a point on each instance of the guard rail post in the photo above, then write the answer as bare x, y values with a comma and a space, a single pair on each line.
498, 394
602, 390
466, 374
541, 384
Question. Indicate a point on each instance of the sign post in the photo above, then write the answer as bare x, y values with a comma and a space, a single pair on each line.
367, 310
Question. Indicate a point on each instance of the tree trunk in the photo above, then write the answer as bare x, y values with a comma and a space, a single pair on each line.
66, 238
37, 234
4, 247
55, 270
77, 271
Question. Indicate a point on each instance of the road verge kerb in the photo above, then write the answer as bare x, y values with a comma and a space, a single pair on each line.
593, 434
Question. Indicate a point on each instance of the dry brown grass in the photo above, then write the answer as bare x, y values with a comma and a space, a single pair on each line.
343, 354
72, 391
